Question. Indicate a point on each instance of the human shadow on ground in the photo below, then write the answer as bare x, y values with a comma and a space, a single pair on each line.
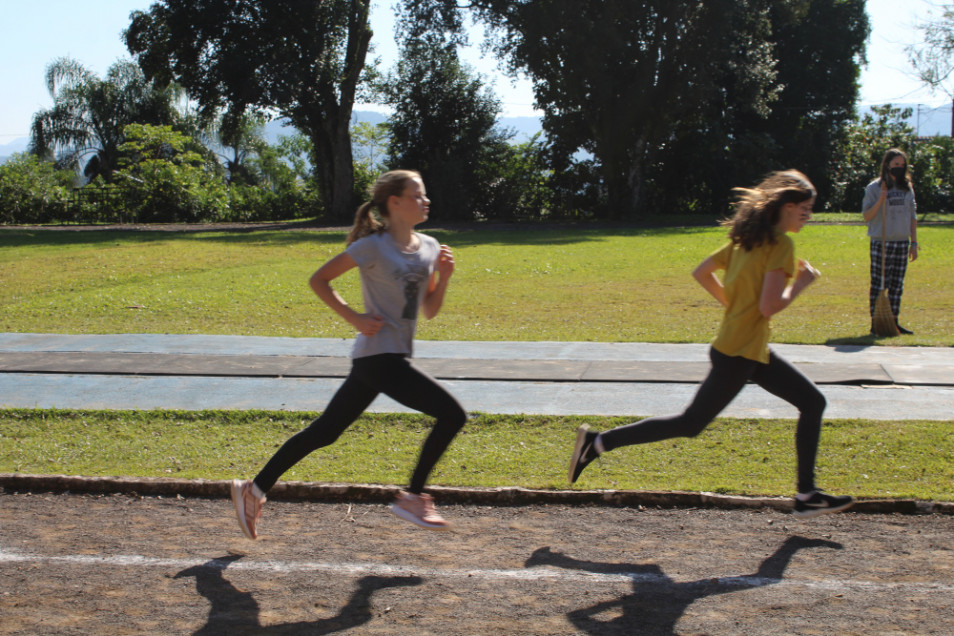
658, 602
234, 611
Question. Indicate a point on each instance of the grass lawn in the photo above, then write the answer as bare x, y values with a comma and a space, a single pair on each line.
740, 456
525, 284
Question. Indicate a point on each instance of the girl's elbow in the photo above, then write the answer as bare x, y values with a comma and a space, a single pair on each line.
768, 309
703, 271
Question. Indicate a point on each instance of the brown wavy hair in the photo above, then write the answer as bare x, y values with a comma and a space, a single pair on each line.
757, 209
372, 215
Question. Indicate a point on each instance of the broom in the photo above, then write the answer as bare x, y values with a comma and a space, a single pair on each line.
883, 322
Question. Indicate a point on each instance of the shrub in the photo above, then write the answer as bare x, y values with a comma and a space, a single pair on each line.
33, 191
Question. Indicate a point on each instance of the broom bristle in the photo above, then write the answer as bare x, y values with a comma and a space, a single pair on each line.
883, 322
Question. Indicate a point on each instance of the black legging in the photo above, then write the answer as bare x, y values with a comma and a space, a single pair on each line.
395, 376
725, 381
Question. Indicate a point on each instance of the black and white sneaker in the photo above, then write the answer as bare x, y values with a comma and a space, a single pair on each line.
583, 452
821, 503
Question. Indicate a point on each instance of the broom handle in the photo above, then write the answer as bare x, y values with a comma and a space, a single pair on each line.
884, 244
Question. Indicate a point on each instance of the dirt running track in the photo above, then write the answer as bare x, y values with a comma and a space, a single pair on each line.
119, 564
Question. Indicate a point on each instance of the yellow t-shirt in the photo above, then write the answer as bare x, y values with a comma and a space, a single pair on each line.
744, 330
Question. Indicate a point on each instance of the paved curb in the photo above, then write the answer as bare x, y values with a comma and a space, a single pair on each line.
509, 496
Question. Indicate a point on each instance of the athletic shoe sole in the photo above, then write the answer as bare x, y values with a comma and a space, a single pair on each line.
238, 502
578, 450
814, 512
409, 516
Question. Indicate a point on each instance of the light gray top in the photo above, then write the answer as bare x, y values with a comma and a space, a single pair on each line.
901, 208
393, 284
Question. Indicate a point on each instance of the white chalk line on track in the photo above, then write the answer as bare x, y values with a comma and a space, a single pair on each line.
523, 574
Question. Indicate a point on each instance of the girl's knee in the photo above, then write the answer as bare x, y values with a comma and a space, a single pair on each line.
456, 418
451, 419
695, 430
815, 402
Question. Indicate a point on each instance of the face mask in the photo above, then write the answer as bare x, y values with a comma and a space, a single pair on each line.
898, 173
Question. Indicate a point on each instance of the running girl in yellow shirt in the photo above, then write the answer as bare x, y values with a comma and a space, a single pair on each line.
758, 262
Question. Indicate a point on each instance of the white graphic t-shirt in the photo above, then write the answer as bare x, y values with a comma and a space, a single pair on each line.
393, 285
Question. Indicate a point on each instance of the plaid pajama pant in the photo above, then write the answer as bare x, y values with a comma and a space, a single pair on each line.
896, 264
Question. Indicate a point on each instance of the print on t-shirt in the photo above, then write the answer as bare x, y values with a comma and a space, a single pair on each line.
896, 198
412, 277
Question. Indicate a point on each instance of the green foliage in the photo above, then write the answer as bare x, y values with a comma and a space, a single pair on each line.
32, 190
299, 60
517, 183
237, 146
249, 204
675, 102
629, 76
275, 183
84, 128
820, 46
444, 125
371, 143
882, 459
932, 169
164, 178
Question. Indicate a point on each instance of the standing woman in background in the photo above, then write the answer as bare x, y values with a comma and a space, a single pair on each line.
402, 271
889, 201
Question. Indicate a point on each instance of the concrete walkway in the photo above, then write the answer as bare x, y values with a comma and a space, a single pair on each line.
194, 372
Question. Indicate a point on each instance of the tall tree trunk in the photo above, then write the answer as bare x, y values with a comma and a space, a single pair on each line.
336, 167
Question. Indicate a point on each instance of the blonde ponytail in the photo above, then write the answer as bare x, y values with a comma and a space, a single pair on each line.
364, 223
389, 184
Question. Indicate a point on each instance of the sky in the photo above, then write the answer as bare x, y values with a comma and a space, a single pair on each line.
32, 34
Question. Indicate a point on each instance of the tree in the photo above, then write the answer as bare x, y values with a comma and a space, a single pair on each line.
517, 182
84, 128
33, 190
165, 177
300, 59
820, 46
616, 78
370, 143
934, 59
245, 142
444, 124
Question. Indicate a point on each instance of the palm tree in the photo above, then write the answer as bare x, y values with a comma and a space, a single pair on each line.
84, 128
237, 143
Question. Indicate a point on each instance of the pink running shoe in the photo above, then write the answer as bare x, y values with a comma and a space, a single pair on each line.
248, 507
418, 509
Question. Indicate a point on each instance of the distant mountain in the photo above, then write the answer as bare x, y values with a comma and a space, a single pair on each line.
17, 145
